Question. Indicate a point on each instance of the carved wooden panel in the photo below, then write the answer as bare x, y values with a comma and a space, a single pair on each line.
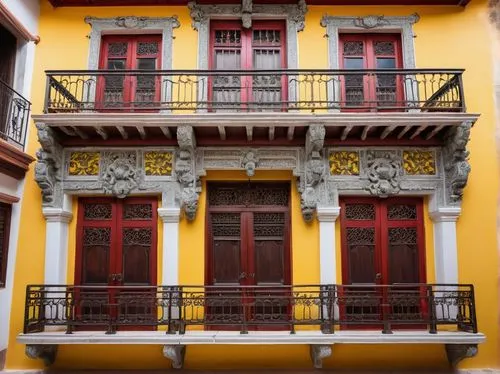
249, 195
269, 231
96, 255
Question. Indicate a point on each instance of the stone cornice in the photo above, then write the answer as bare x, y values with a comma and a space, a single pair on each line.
327, 214
57, 215
169, 215
255, 119
445, 214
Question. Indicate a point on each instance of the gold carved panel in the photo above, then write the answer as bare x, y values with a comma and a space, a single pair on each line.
344, 163
158, 163
419, 162
84, 163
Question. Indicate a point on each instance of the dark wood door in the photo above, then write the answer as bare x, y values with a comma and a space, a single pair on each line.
8, 48
130, 52
116, 246
382, 244
248, 246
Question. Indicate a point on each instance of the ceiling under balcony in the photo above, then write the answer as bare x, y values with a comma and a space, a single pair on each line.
63, 3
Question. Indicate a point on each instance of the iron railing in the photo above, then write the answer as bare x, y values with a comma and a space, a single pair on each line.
14, 115
255, 90
243, 308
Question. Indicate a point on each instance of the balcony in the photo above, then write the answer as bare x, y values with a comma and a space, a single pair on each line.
14, 115
255, 107
318, 315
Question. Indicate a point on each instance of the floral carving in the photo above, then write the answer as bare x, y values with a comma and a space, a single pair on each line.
370, 22
419, 162
120, 177
158, 163
131, 22
344, 163
84, 163
384, 173
249, 162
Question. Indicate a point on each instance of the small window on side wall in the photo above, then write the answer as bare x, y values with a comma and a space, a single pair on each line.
5, 211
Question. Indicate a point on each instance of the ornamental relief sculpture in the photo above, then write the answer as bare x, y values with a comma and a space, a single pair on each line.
383, 174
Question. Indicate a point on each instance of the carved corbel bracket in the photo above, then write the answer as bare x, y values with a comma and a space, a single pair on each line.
175, 353
319, 352
47, 353
48, 165
456, 161
314, 171
457, 352
185, 171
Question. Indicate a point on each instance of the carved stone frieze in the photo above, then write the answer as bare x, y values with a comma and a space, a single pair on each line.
46, 352
201, 13
384, 173
185, 171
456, 161
319, 352
48, 165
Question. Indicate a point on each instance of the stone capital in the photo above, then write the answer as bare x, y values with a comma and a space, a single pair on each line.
57, 215
169, 215
445, 214
327, 213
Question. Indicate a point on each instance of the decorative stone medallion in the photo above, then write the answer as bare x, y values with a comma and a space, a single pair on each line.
384, 173
419, 162
84, 163
158, 163
344, 163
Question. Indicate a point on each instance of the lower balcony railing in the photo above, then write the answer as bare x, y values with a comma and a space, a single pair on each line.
244, 308
255, 90
14, 115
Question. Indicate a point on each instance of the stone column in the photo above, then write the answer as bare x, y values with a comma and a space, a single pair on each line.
445, 244
170, 263
328, 267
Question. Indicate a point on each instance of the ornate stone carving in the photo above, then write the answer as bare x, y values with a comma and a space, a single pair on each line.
456, 160
84, 163
175, 353
131, 22
121, 176
47, 352
419, 162
344, 163
384, 173
319, 352
314, 173
48, 165
298, 15
457, 352
185, 171
370, 22
249, 162
246, 13
197, 14
158, 163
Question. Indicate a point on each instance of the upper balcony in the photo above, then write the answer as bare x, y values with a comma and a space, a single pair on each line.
412, 105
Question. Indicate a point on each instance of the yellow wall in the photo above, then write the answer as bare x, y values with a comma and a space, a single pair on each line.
445, 37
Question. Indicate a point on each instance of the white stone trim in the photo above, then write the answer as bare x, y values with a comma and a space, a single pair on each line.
445, 244
56, 242
253, 337
327, 246
170, 245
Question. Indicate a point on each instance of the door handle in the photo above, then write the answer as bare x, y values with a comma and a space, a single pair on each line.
378, 276
242, 275
118, 277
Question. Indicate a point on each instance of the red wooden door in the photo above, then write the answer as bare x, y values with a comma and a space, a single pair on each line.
382, 243
134, 91
248, 245
259, 48
369, 90
116, 246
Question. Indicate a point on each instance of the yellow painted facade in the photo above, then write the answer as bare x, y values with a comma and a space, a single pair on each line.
446, 37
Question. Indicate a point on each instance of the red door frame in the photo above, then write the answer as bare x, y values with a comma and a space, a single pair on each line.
246, 47
369, 62
129, 83
116, 224
381, 224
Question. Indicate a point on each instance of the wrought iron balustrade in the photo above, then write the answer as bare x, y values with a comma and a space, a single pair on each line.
254, 90
243, 308
14, 115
